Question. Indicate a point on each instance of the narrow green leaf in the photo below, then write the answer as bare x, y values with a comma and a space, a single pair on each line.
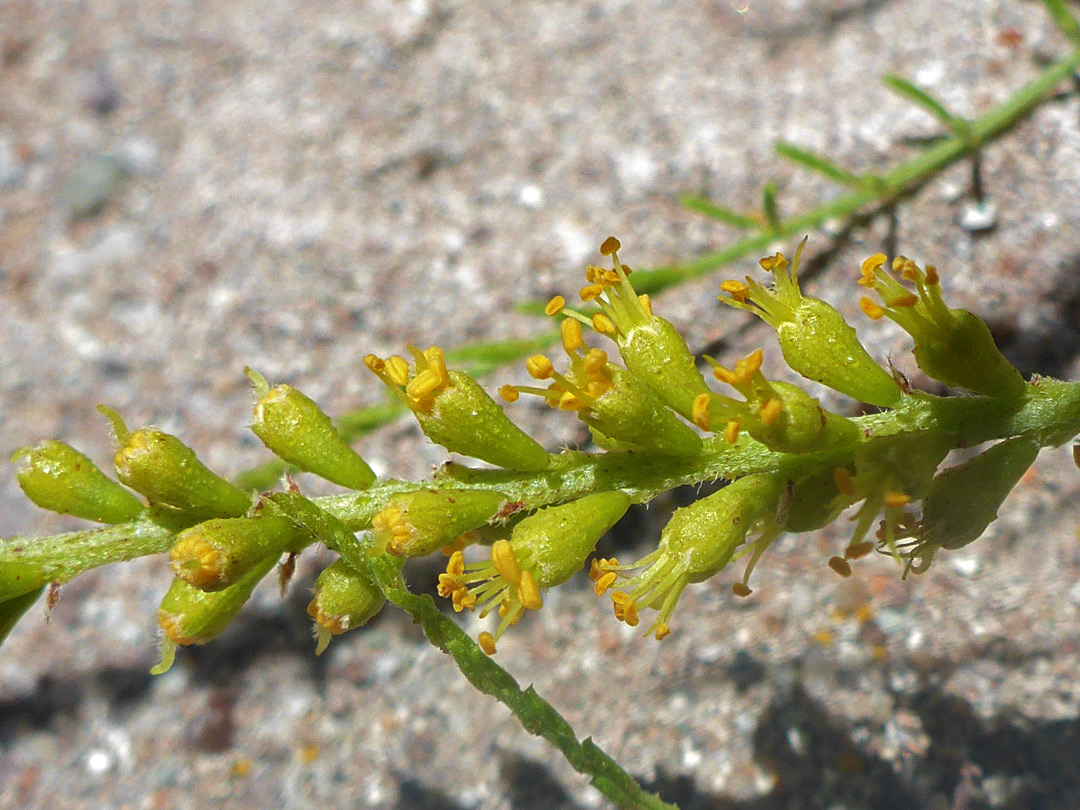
817, 164
959, 125
719, 212
770, 207
1064, 19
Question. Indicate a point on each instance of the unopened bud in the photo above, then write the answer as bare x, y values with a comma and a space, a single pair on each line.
219, 552
59, 478
344, 600
415, 524
296, 430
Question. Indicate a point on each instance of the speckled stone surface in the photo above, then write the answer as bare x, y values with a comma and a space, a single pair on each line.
188, 188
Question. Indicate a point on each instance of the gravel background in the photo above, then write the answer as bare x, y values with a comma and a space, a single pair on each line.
186, 188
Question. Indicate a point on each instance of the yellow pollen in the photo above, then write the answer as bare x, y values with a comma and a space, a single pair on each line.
571, 335
591, 292
741, 590
486, 642
374, 363
840, 566
896, 499
662, 631
908, 300
602, 324
932, 275
455, 566
592, 273
539, 367
595, 362
771, 263
502, 557
197, 558
646, 304
731, 432
610, 277
555, 305
448, 583
423, 384
609, 246
509, 393
527, 592
397, 369
867, 281
859, 550
739, 291
873, 263
625, 608
701, 415
724, 375
843, 481
463, 600
870, 309
771, 411
604, 582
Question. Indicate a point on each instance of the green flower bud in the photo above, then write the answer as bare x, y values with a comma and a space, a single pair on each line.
59, 478
344, 600
189, 615
11, 610
18, 578
455, 411
415, 524
964, 500
814, 337
219, 552
296, 430
167, 471
951, 345
544, 550
696, 544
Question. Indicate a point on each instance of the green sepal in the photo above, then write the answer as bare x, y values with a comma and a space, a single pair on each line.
296, 430
59, 478
219, 552
963, 500
558, 539
165, 470
415, 524
11, 610
705, 534
465, 419
821, 346
960, 351
655, 353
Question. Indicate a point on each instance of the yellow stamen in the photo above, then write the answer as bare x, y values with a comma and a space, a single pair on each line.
771, 411
840, 566
873, 263
662, 631
527, 592
539, 367
595, 362
571, 335
932, 275
502, 557
724, 375
896, 499
455, 566
570, 402
859, 550
870, 309
771, 263
740, 589
609, 246
731, 432
423, 384
374, 363
739, 291
908, 300
604, 582
844, 482
555, 305
702, 417
486, 642
591, 292
646, 304
397, 369
603, 324
509, 393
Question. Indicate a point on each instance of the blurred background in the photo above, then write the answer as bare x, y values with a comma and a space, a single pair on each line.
187, 188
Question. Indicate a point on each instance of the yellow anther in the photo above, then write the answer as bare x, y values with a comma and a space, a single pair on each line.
932, 275
599, 567
702, 417
509, 393
840, 566
595, 362
731, 432
603, 324
436, 358
448, 583
646, 303
486, 642
610, 277
908, 300
590, 292
604, 582
844, 483
539, 367
771, 411
630, 613
871, 309
397, 369
423, 384
750, 365
739, 291
609, 246
569, 402
724, 375
502, 557
592, 273
741, 590
896, 499
571, 335
374, 363
527, 592
461, 599
662, 631
555, 305
774, 263
859, 550
898, 263
455, 566
872, 264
